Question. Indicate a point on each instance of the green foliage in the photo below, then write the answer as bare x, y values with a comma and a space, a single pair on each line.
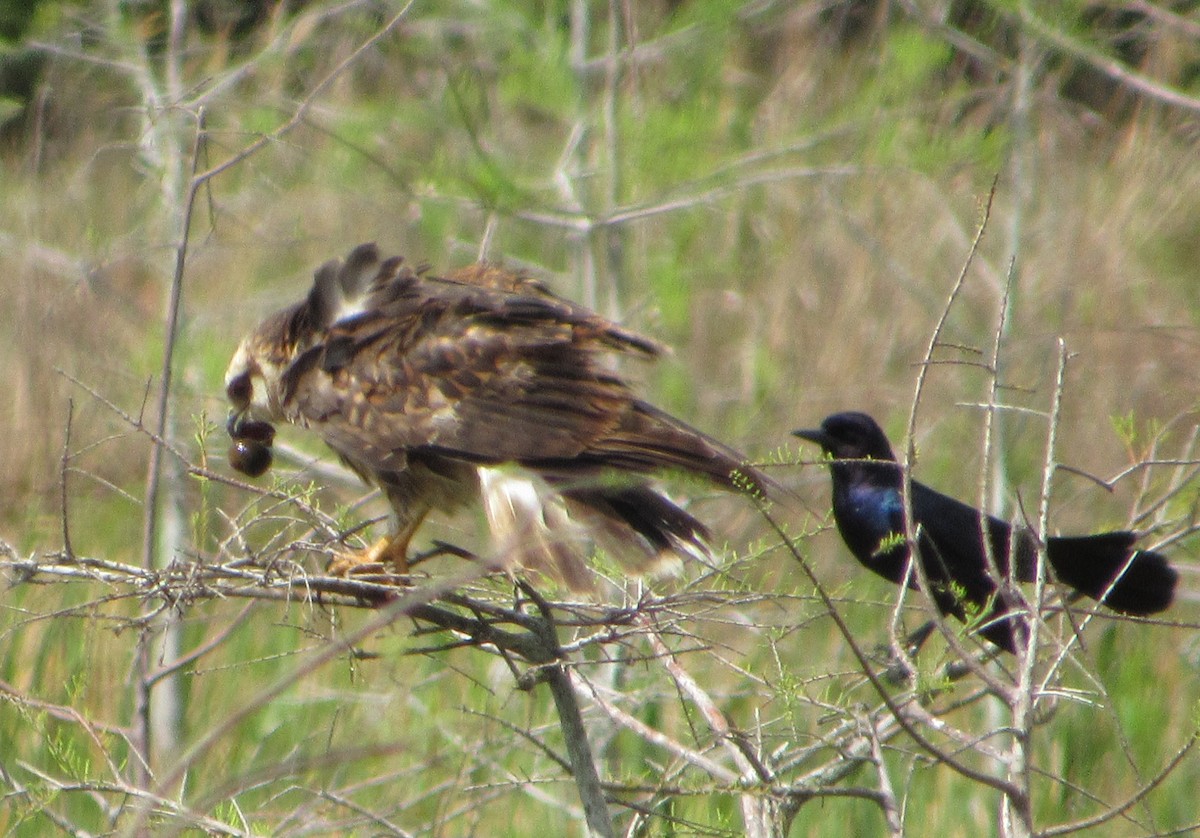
891, 542
474, 114
1138, 441
10, 107
670, 283
537, 78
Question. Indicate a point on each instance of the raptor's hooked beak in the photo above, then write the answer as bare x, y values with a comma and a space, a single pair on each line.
240, 391
250, 451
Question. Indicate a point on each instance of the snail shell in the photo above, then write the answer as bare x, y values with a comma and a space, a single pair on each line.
250, 457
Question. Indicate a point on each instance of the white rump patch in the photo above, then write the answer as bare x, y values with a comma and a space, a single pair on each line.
536, 528
531, 527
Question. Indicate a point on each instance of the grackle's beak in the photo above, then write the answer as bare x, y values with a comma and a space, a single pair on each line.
813, 435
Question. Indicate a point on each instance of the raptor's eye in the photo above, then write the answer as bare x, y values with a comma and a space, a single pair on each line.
239, 391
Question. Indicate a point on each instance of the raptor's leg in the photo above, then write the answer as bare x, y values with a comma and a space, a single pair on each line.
390, 550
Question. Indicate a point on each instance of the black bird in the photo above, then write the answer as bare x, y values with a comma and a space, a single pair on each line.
869, 512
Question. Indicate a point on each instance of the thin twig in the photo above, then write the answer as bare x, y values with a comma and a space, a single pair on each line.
62, 481
1120, 809
757, 818
910, 456
864, 663
301, 111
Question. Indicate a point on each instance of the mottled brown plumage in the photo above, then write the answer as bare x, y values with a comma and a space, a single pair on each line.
435, 387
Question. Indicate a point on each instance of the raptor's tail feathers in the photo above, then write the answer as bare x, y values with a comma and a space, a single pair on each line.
551, 530
644, 530
649, 439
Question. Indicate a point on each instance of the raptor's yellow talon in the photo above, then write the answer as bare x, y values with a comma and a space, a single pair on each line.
388, 554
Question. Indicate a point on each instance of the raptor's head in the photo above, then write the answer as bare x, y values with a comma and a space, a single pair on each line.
256, 379
253, 386
255, 373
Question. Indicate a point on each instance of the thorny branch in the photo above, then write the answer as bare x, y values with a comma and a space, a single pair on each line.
484, 621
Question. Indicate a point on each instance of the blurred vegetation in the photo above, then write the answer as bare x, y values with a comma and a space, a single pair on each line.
782, 191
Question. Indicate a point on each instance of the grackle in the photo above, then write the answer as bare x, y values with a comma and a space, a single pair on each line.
869, 512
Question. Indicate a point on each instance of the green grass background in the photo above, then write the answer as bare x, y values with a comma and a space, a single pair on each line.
793, 203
